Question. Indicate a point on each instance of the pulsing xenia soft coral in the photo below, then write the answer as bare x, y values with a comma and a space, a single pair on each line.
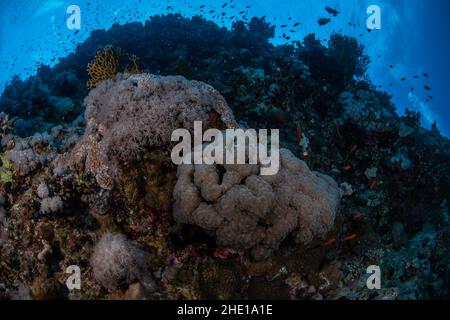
51, 205
116, 260
129, 116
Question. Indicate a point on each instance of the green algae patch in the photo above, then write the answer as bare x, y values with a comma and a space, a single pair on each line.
6, 170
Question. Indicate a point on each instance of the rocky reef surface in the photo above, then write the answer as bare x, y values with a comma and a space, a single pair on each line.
86, 177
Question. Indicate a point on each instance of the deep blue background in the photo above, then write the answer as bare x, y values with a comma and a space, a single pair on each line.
414, 37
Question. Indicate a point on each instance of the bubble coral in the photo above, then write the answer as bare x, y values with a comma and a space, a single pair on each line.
244, 210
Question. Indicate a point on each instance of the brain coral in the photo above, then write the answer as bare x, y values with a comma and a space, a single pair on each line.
244, 210
127, 117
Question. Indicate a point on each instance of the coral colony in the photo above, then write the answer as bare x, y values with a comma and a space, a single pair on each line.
236, 146
217, 166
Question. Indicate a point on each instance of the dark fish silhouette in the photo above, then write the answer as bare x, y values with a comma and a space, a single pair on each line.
323, 21
332, 11
426, 75
296, 24
427, 87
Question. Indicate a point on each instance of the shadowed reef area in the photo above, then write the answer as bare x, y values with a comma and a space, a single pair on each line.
86, 177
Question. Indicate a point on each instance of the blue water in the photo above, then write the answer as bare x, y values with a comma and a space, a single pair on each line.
413, 39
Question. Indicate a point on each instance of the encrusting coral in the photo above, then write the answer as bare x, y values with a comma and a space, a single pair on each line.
248, 211
127, 117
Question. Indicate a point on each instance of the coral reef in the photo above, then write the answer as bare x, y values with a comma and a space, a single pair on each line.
135, 113
111, 172
247, 211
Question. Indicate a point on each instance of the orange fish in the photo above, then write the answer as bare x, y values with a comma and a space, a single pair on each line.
350, 237
330, 242
347, 167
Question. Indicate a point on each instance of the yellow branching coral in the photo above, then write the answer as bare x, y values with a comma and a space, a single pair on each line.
135, 67
105, 65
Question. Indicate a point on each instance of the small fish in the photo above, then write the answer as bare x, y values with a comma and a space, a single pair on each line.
358, 216
296, 24
427, 87
403, 79
332, 11
329, 242
323, 21
299, 135
347, 167
426, 75
350, 237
